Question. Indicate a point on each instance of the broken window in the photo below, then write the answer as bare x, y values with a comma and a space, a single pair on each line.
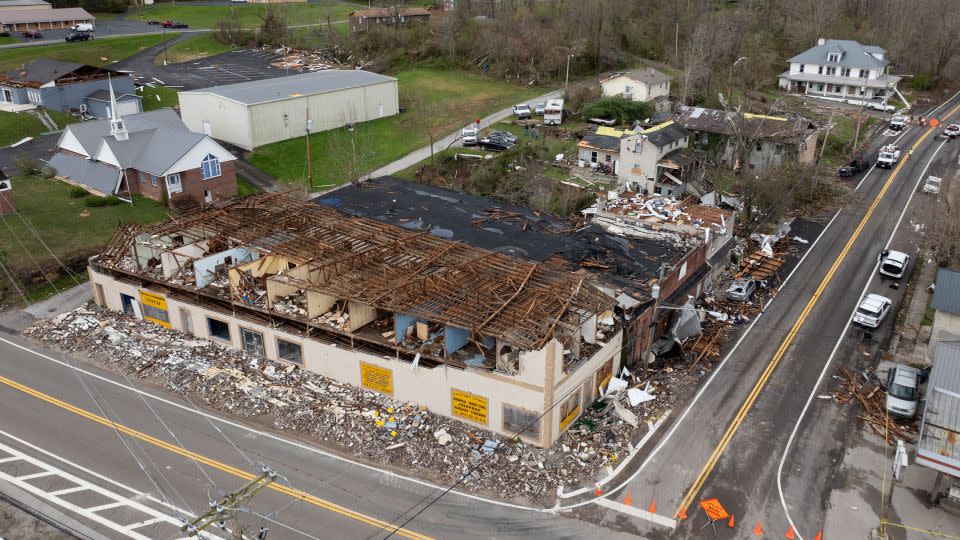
289, 351
100, 298
218, 329
519, 421
186, 320
252, 342
587, 393
570, 409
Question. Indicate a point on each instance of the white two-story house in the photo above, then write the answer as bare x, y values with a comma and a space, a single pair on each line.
655, 160
841, 69
645, 84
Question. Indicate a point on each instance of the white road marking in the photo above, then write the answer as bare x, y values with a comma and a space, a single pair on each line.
836, 347
636, 512
53, 497
874, 166
713, 375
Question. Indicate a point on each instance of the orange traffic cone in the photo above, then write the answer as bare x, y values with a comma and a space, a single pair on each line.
819, 536
731, 522
758, 530
790, 534
683, 513
628, 500
653, 507
598, 492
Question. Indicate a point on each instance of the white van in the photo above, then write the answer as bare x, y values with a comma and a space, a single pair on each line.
82, 27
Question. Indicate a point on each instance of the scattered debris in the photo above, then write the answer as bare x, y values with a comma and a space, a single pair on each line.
871, 397
366, 424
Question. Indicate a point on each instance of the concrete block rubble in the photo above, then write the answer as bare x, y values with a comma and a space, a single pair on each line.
366, 424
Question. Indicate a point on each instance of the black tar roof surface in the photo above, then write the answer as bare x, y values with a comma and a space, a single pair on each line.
450, 214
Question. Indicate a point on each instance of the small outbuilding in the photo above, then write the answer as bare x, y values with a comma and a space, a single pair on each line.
67, 87
255, 113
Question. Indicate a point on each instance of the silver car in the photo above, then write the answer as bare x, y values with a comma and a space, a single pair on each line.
903, 391
932, 185
741, 290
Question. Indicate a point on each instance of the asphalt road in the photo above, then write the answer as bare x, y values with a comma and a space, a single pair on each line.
730, 451
367, 498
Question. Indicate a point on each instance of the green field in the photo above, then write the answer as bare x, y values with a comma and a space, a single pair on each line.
249, 14
97, 52
7, 40
199, 46
453, 98
168, 97
64, 223
15, 126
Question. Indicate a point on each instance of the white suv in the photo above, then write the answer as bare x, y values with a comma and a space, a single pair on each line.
873, 308
470, 134
893, 263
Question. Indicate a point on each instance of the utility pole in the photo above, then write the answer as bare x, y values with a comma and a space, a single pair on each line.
309, 163
230, 504
676, 45
566, 81
164, 30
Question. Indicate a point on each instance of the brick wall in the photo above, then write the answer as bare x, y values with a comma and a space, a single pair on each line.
194, 186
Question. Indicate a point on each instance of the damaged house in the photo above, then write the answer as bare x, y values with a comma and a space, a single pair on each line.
67, 87
762, 142
656, 160
482, 336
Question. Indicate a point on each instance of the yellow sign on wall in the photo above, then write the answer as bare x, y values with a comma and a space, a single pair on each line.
376, 378
565, 421
469, 406
155, 308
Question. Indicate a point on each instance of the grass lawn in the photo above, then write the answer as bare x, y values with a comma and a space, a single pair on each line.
455, 97
15, 126
97, 52
167, 97
199, 46
62, 119
249, 14
102, 17
7, 40
245, 188
64, 223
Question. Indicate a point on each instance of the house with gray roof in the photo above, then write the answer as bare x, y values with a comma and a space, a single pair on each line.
946, 303
656, 160
645, 84
252, 114
841, 69
150, 154
68, 87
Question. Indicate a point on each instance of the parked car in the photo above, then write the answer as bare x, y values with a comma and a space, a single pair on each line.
741, 290
238, 1
173, 24
903, 391
494, 145
153, 22
32, 34
522, 111
853, 168
504, 135
78, 36
893, 263
871, 311
539, 108
952, 131
469, 135
898, 122
882, 107
82, 27
932, 185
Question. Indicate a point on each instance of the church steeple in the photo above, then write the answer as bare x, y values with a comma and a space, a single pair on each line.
117, 126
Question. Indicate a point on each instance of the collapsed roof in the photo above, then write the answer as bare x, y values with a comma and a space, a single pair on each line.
749, 126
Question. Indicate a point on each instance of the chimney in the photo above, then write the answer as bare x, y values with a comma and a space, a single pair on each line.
821, 41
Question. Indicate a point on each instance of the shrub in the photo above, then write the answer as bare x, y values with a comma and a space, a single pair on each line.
922, 81
617, 108
28, 166
77, 192
96, 201
4, 34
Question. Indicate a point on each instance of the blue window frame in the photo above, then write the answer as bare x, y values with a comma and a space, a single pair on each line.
210, 167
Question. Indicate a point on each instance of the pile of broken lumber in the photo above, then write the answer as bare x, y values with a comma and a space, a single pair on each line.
871, 398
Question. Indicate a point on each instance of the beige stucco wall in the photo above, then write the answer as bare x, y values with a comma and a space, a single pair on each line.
425, 386
639, 91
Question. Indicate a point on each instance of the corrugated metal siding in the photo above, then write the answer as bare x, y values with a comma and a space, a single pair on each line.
940, 429
946, 296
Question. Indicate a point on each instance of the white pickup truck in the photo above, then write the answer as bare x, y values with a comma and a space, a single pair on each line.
889, 156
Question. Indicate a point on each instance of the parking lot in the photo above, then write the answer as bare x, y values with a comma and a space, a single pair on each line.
227, 68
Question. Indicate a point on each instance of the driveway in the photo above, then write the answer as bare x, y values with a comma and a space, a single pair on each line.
40, 149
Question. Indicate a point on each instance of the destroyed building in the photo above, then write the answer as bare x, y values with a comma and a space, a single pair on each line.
481, 336
648, 261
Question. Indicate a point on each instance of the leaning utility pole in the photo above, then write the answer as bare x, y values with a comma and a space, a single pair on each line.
307, 126
230, 504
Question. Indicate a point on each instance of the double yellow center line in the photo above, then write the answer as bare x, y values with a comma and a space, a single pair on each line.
240, 473
781, 351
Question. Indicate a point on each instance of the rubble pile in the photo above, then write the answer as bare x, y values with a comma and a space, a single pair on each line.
294, 304
366, 424
871, 397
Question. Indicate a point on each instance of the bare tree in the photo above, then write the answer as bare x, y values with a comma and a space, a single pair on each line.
944, 232
351, 148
